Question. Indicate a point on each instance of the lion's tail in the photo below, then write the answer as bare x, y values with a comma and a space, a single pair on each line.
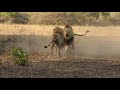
48, 45
81, 35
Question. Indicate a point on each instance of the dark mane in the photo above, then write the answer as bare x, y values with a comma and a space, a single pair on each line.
58, 30
68, 26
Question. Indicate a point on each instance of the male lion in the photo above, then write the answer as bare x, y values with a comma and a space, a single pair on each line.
69, 38
57, 41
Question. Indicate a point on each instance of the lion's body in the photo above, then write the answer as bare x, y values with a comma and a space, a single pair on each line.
68, 39
57, 41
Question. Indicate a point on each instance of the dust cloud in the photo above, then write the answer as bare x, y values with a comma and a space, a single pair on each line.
96, 46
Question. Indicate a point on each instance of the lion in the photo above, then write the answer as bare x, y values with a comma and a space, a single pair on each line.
57, 41
62, 38
69, 38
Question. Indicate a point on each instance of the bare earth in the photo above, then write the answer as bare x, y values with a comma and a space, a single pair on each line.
62, 68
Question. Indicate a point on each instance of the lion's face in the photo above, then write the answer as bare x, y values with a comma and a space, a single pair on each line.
68, 32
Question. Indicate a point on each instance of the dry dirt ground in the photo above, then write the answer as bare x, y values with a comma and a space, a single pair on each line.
40, 67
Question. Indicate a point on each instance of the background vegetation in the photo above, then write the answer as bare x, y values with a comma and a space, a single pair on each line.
61, 18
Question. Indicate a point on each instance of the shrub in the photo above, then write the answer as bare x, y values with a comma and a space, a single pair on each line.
20, 19
13, 17
20, 55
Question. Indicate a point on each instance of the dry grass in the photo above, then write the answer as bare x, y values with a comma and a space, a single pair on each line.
7, 29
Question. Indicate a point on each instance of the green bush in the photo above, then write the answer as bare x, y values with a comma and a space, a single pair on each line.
20, 55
